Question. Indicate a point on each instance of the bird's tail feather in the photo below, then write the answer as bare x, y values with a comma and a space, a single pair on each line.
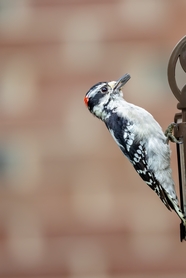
178, 210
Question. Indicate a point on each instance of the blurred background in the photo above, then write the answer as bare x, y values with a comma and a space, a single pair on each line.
71, 205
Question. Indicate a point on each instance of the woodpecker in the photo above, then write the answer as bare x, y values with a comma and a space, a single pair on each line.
139, 136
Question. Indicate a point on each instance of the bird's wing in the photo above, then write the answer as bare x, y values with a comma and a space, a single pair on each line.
134, 150
138, 156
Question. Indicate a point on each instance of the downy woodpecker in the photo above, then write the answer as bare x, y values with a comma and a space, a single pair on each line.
139, 137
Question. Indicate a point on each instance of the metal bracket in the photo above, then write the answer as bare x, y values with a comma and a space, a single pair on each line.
179, 52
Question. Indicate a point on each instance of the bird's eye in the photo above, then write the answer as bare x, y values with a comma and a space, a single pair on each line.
104, 90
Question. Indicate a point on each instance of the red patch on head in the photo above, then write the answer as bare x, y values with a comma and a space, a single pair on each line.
86, 99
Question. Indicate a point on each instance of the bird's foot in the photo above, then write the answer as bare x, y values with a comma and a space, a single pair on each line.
170, 136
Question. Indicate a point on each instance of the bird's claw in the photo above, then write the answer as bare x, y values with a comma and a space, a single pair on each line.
170, 136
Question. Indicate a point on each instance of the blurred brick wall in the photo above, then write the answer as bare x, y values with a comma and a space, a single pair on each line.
70, 204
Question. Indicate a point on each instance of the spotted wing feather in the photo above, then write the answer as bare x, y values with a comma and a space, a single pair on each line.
120, 129
141, 167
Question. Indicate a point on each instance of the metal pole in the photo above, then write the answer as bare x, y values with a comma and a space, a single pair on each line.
179, 52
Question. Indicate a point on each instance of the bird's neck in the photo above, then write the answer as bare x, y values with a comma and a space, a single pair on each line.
111, 106
104, 110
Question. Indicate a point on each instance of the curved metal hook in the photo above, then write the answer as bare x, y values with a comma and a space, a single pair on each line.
178, 52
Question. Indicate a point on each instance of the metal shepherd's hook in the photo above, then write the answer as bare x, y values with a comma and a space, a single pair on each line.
179, 52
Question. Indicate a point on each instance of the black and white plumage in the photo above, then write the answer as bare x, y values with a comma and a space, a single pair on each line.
139, 137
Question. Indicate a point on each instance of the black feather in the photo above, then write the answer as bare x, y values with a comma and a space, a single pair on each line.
136, 154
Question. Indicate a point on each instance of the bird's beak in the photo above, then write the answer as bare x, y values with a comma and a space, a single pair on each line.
117, 85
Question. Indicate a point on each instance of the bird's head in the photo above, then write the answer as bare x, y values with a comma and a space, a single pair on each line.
99, 95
